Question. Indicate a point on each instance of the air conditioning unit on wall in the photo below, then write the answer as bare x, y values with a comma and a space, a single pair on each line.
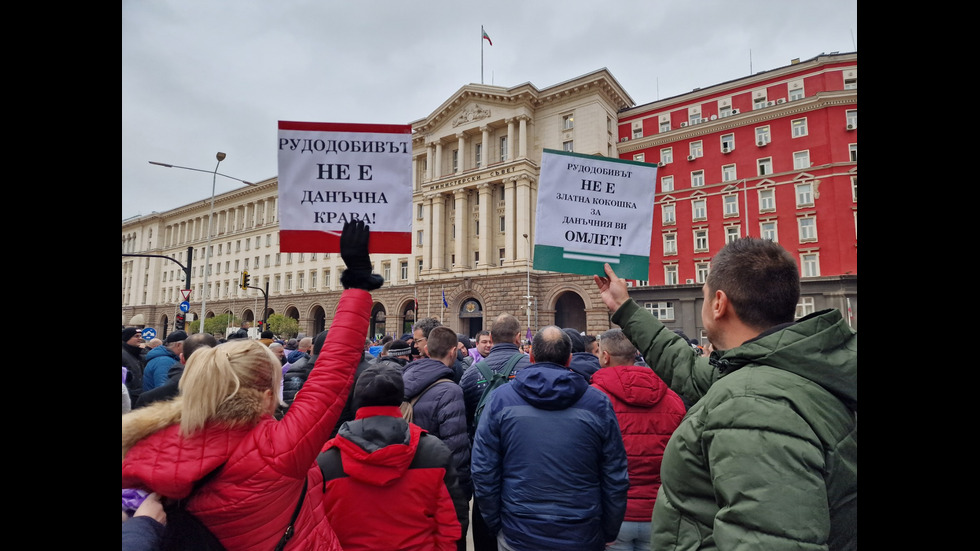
624, 139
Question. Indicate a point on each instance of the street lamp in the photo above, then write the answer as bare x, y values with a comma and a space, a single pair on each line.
207, 250
528, 296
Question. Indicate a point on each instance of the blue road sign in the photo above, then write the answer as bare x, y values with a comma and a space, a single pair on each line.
185, 306
149, 333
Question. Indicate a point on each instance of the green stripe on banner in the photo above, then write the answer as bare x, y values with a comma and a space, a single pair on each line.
557, 259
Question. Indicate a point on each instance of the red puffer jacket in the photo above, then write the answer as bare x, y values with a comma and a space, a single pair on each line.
248, 504
648, 412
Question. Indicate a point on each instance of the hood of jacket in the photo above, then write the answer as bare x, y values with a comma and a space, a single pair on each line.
295, 355
635, 385
819, 347
549, 386
422, 373
584, 363
161, 351
378, 446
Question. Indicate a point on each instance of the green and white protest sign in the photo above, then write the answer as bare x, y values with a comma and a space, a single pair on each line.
592, 210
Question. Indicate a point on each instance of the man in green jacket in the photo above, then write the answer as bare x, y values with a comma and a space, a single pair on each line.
766, 458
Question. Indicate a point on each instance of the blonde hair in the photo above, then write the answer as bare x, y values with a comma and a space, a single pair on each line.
213, 376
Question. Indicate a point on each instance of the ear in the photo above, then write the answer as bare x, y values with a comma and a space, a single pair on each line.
604, 358
183, 360
720, 306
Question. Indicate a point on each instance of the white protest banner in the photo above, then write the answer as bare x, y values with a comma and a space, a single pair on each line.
330, 173
592, 210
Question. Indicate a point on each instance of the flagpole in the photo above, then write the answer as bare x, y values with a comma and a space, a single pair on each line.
481, 53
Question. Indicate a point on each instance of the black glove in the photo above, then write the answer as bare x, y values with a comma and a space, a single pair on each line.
354, 241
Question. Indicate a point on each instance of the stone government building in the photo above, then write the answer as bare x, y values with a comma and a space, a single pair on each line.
476, 163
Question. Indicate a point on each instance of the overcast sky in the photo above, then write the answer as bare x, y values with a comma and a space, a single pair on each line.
202, 76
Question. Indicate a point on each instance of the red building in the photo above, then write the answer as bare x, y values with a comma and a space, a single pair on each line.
773, 154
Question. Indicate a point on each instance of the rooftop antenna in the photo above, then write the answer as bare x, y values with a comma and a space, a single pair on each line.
750, 61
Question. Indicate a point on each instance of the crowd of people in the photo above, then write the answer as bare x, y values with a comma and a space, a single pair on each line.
635, 438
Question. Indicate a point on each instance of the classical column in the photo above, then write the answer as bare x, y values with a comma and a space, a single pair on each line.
510, 217
438, 167
428, 161
510, 139
523, 138
462, 229
486, 223
524, 214
461, 153
437, 240
485, 150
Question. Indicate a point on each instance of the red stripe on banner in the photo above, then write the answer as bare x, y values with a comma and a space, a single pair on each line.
346, 127
312, 241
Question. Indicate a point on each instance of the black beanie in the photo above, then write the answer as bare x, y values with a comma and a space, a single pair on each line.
128, 333
578, 343
379, 385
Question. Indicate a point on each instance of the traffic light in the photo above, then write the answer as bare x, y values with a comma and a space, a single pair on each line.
245, 278
179, 322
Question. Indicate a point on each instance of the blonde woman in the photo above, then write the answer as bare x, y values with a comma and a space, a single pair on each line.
222, 421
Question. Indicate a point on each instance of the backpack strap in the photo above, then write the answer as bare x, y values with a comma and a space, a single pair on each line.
289, 529
511, 363
426, 389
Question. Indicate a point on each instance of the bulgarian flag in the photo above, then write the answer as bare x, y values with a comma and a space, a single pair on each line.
486, 36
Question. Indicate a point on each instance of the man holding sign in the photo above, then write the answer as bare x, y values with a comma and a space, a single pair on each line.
330, 173
593, 210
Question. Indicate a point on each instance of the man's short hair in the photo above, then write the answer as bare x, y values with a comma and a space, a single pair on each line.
760, 278
441, 341
305, 344
267, 335
551, 344
485, 332
198, 340
426, 325
176, 336
617, 344
505, 328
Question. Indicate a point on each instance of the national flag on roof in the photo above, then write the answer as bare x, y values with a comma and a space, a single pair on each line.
486, 36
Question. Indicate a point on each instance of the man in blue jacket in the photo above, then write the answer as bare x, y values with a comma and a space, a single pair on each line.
548, 462
161, 359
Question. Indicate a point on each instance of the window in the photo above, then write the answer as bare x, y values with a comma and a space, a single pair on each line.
727, 143
804, 194
476, 259
667, 183
670, 243
670, 275
500, 256
852, 119
697, 149
289, 258
805, 307
693, 118
248, 243
810, 265
503, 148
452, 261
313, 280
768, 231
808, 229
799, 127
852, 149
731, 205
851, 83
699, 209
403, 270
665, 126
795, 94
503, 224
455, 160
854, 188
701, 272
764, 166
728, 173
660, 310
277, 284
267, 261
767, 200
478, 150
386, 271
300, 281
638, 157
732, 233
289, 282
219, 249
697, 178
762, 136
419, 267
476, 229
418, 211
758, 103
724, 111
568, 146
567, 122
667, 155
268, 240
801, 160
638, 132
700, 241
668, 215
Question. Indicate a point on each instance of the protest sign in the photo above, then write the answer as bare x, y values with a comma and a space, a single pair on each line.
592, 210
330, 173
